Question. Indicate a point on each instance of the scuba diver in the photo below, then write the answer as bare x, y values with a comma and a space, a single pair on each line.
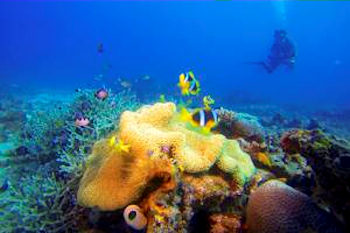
282, 52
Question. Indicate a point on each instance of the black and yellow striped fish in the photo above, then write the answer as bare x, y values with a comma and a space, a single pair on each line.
188, 84
204, 118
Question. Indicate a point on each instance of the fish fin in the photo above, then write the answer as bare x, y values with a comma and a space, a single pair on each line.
205, 130
211, 124
208, 127
196, 92
184, 86
181, 78
185, 115
184, 91
198, 87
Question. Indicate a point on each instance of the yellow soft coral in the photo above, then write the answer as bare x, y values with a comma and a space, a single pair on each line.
198, 152
109, 181
157, 138
235, 161
155, 126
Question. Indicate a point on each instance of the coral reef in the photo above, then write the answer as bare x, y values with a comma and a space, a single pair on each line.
12, 117
40, 203
225, 223
164, 160
240, 125
52, 154
122, 170
329, 159
277, 207
191, 205
314, 124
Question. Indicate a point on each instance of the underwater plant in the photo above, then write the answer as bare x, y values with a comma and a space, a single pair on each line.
102, 114
52, 155
40, 203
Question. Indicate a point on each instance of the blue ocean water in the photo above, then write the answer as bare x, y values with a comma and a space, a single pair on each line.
53, 45
70, 69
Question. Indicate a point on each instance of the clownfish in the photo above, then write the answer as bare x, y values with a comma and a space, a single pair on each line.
202, 118
188, 84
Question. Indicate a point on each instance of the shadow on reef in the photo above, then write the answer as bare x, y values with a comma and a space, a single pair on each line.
92, 166
199, 222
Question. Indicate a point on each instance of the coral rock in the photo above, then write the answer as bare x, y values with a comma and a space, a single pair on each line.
277, 207
225, 223
329, 158
240, 125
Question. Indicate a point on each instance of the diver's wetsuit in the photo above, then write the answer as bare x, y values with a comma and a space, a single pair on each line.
281, 52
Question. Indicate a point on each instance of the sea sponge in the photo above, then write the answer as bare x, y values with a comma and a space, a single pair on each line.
160, 145
277, 207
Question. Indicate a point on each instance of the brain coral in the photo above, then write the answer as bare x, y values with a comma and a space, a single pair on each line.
159, 144
277, 207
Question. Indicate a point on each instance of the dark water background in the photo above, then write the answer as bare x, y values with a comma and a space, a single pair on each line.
53, 44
